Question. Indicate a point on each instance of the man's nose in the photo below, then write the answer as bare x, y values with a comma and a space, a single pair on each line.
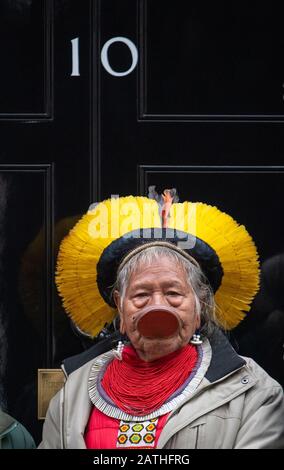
158, 298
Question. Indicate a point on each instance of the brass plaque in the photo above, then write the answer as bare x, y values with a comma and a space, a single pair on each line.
50, 381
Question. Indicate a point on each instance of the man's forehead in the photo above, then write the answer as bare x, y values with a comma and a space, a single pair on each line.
174, 275
164, 279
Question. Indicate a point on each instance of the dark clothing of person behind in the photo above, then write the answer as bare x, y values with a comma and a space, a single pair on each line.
261, 334
13, 435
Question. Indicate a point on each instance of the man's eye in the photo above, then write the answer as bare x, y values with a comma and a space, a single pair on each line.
173, 293
141, 294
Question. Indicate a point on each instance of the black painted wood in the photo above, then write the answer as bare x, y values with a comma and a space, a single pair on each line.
26, 194
214, 62
26, 60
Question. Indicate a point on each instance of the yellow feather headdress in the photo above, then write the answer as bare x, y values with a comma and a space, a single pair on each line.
81, 251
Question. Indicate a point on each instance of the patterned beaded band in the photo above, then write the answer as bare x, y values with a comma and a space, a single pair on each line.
144, 246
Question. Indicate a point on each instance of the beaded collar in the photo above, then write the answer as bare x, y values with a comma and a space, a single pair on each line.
103, 402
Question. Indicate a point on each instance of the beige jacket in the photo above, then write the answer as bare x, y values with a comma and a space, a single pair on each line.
237, 405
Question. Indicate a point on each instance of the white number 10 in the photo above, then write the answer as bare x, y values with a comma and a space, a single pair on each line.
104, 56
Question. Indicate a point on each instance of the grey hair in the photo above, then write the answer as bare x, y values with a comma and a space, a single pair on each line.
203, 294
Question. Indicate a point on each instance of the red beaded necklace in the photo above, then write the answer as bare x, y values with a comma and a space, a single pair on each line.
139, 387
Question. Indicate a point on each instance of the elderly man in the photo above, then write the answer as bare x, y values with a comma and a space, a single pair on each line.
174, 381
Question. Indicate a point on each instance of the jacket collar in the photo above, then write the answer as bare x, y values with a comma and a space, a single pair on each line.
225, 360
6, 423
73, 363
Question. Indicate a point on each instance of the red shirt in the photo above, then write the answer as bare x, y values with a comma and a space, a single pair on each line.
102, 432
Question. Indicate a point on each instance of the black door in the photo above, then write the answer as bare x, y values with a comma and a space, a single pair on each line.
109, 97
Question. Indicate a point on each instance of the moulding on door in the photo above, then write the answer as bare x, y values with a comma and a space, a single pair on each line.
143, 171
47, 112
47, 170
144, 115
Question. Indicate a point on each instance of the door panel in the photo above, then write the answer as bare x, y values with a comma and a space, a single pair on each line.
213, 62
26, 194
26, 61
251, 195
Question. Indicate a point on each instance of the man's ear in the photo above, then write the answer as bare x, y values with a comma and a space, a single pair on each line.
117, 300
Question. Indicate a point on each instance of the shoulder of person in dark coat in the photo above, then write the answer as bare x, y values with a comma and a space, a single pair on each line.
261, 334
14, 435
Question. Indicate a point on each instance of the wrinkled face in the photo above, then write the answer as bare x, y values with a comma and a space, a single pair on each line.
163, 283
